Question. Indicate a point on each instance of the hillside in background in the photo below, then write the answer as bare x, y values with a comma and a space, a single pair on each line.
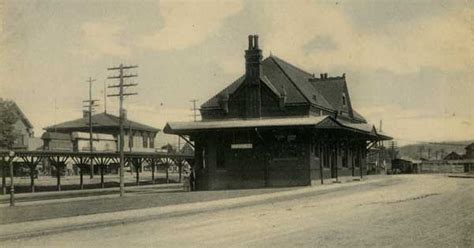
433, 150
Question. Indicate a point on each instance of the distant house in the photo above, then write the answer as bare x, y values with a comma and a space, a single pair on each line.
137, 136
469, 151
403, 166
24, 129
187, 149
453, 156
277, 125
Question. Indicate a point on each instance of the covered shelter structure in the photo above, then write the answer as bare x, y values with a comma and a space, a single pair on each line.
277, 126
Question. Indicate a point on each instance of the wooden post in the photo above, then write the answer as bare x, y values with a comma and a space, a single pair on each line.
336, 160
102, 176
321, 172
265, 172
58, 176
167, 174
12, 183
32, 178
180, 171
137, 165
4, 171
359, 158
91, 168
152, 172
81, 175
352, 160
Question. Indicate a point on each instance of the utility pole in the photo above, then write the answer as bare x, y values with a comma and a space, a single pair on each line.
194, 109
90, 106
121, 94
392, 155
105, 98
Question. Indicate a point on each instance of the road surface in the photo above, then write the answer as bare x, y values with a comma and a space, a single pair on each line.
398, 211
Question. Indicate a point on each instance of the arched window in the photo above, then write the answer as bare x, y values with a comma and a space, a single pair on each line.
343, 99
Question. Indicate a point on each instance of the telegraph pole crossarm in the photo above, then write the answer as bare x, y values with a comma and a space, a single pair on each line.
122, 67
124, 85
123, 76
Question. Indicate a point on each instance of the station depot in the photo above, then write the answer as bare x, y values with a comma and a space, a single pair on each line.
277, 126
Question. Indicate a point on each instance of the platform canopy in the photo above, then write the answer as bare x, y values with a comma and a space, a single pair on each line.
317, 122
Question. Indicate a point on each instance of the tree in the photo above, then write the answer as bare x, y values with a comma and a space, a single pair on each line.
8, 118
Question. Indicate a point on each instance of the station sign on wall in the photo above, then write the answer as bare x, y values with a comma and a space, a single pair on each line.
241, 146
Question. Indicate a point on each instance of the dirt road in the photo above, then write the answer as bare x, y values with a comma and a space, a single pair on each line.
402, 211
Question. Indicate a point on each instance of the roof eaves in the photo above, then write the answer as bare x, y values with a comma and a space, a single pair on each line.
270, 85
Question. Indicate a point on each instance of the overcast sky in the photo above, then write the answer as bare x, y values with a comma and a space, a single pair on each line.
408, 63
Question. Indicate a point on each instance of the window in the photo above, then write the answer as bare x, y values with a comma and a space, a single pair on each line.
343, 99
286, 145
20, 140
325, 151
357, 158
333, 151
220, 157
152, 142
316, 149
204, 157
145, 141
345, 155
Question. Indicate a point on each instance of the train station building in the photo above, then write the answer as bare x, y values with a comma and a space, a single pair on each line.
74, 135
275, 126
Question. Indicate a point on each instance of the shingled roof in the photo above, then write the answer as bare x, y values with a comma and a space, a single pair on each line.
282, 76
100, 120
299, 86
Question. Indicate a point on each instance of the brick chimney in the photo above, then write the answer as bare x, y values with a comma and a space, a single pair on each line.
253, 71
253, 60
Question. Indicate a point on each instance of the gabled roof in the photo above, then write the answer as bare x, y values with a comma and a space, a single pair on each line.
100, 120
453, 156
470, 146
332, 89
22, 116
280, 76
301, 79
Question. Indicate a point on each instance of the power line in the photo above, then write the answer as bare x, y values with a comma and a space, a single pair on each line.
121, 94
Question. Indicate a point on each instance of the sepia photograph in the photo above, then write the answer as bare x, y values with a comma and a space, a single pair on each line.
237, 123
